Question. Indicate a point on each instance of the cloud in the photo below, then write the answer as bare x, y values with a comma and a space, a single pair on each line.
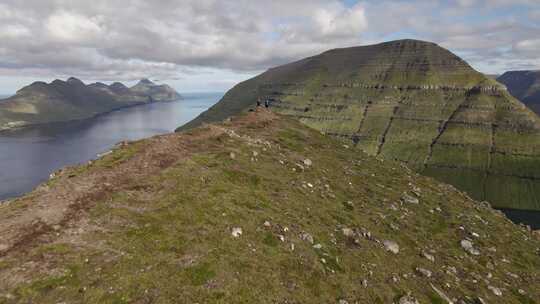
14, 31
118, 38
481, 31
176, 39
72, 27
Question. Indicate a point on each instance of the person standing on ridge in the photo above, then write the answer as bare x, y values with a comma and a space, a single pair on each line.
258, 102
266, 103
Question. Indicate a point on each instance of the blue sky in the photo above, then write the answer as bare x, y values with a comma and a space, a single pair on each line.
209, 45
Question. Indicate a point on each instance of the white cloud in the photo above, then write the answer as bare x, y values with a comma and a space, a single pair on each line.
73, 27
532, 45
341, 22
13, 31
171, 39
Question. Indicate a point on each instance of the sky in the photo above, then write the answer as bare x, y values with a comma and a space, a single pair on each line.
210, 45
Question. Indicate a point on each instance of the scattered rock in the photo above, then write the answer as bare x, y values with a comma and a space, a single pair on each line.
236, 232
232, 155
317, 246
409, 199
391, 246
496, 291
348, 232
308, 162
267, 224
365, 283
408, 299
426, 273
428, 256
441, 294
469, 247
416, 190
342, 301
307, 237
513, 275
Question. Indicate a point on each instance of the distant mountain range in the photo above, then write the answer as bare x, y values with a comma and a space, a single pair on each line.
60, 100
412, 101
525, 86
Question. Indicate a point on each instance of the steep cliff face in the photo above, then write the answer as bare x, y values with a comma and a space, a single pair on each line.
525, 86
260, 209
412, 101
60, 100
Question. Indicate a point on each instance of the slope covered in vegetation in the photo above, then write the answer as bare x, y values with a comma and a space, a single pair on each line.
259, 209
412, 101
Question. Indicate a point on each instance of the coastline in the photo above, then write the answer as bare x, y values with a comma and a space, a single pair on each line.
22, 127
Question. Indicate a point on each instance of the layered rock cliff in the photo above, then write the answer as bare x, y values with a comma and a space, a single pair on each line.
412, 101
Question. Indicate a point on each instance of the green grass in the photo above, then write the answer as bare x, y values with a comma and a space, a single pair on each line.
177, 247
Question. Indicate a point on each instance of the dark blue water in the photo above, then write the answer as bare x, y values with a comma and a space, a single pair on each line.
531, 218
29, 156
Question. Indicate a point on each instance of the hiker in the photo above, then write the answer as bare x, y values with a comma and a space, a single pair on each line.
266, 103
258, 102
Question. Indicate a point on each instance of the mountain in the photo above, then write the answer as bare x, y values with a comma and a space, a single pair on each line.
525, 86
60, 100
412, 101
157, 92
260, 209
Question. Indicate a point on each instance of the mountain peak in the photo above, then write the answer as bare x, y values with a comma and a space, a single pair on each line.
409, 100
146, 81
73, 80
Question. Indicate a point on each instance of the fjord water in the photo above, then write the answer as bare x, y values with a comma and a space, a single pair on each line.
29, 156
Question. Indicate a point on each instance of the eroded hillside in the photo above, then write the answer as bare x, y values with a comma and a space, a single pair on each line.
259, 209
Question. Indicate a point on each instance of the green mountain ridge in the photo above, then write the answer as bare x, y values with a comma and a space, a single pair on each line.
525, 86
259, 209
412, 101
60, 101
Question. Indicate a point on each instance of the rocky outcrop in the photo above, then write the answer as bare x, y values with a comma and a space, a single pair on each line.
411, 101
60, 100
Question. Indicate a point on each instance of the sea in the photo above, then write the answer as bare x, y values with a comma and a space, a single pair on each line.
28, 156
